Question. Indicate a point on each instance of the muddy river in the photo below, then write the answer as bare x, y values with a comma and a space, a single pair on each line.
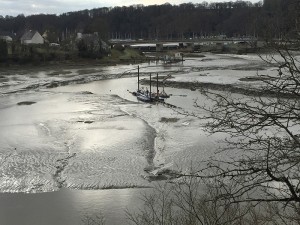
75, 142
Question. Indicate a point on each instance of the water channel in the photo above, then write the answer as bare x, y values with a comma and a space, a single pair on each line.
68, 206
82, 149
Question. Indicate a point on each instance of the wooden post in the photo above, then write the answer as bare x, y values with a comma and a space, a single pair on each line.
150, 86
138, 78
157, 95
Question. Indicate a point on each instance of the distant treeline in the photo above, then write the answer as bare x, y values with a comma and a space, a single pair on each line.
240, 18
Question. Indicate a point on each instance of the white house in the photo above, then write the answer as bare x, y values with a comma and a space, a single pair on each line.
32, 37
6, 38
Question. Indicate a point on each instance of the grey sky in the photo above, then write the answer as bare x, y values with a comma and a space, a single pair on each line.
28, 7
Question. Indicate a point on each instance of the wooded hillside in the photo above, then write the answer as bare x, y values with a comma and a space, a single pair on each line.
240, 18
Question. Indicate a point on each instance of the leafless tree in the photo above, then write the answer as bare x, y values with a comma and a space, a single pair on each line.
190, 201
93, 220
263, 142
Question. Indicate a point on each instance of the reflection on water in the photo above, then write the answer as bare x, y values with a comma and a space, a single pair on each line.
118, 87
67, 207
180, 97
36, 209
62, 130
108, 135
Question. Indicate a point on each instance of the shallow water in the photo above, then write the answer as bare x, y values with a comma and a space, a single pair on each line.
67, 207
92, 134
76, 140
112, 139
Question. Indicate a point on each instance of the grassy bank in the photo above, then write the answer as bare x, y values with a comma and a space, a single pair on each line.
69, 60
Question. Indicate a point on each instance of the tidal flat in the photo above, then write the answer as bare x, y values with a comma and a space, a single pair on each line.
76, 142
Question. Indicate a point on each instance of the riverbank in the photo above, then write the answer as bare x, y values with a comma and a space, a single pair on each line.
123, 56
220, 87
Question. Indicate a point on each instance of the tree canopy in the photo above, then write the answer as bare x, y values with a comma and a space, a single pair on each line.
240, 18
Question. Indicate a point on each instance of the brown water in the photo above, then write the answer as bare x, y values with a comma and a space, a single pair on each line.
67, 207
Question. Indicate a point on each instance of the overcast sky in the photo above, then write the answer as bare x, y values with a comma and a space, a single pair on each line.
28, 7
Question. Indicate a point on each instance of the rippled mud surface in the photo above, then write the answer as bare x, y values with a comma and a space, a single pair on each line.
76, 140
68, 129
90, 133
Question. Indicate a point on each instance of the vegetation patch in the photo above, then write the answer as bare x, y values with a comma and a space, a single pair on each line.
86, 93
255, 78
249, 68
168, 120
85, 121
60, 72
26, 103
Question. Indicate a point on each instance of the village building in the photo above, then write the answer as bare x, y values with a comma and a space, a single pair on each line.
32, 37
8, 37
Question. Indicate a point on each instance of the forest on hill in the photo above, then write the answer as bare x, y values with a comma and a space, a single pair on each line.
234, 19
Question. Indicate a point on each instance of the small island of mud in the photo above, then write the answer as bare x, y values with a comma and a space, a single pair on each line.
26, 103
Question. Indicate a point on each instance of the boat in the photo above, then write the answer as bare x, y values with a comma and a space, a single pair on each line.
144, 97
148, 96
